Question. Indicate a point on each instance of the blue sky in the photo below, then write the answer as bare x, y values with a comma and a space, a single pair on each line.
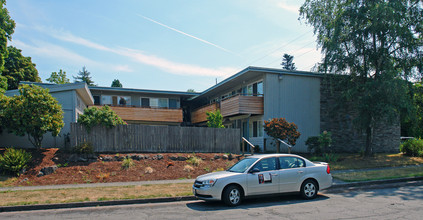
163, 45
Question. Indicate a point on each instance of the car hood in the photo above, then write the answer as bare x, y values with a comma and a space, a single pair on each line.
216, 175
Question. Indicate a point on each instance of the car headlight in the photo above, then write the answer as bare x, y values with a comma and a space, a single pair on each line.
209, 183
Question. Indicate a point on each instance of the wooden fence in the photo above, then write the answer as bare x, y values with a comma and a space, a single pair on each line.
149, 138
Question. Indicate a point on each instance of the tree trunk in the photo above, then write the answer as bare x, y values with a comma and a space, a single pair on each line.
278, 144
369, 149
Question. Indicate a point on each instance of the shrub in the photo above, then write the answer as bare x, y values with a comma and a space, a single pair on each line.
14, 160
313, 145
188, 168
148, 170
127, 163
84, 148
329, 157
103, 116
412, 147
195, 161
320, 144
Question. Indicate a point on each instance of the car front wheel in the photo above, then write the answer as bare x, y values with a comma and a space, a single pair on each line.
309, 189
232, 196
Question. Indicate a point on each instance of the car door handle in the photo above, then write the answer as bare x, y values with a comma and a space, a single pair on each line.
274, 174
299, 172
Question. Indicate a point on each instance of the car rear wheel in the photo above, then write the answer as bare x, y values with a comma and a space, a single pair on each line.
309, 189
232, 195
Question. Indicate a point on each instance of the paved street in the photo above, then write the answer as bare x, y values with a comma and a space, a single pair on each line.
390, 203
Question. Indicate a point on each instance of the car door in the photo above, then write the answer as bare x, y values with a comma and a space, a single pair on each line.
291, 172
265, 181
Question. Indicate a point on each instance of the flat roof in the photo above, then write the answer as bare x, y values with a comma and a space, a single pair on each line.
251, 71
119, 89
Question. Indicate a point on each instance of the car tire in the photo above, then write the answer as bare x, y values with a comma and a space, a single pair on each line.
232, 195
309, 189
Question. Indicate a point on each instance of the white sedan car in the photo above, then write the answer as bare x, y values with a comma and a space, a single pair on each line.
263, 175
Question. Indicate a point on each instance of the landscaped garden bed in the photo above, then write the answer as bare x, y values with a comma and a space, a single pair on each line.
72, 169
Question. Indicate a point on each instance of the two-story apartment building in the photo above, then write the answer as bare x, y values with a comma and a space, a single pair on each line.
254, 95
245, 100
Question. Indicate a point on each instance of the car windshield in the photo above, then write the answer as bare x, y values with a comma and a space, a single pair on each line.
242, 165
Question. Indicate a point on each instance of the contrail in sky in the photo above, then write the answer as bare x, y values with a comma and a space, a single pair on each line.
189, 35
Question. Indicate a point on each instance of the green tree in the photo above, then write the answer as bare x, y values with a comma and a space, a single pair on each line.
33, 113
279, 128
84, 76
287, 62
7, 28
116, 83
3, 84
58, 77
214, 119
103, 116
376, 44
18, 68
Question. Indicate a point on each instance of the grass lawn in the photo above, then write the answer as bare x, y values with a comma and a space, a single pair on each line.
30, 197
379, 174
355, 161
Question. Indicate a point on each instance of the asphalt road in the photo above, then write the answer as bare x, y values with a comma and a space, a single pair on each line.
398, 202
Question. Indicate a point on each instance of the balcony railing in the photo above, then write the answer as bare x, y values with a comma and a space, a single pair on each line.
129, 113
240, 104
199, 114
235, 105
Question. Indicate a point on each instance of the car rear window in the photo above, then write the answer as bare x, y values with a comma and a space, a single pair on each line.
291, 162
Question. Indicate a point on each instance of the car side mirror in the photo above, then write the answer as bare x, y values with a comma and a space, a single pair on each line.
255, 170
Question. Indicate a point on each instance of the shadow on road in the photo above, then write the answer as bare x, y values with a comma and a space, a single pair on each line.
406, 190
252, 203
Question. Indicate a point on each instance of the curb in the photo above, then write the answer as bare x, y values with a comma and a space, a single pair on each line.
177, 199
92, 204
375, 182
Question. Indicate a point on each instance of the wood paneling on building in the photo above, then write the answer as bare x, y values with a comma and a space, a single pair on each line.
242, 105
148, 114
199, 115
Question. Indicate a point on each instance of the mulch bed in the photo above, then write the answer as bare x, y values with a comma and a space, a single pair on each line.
111, 171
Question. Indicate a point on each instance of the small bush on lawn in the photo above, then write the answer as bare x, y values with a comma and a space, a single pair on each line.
14, 160
127, 163
412, 147
84, 148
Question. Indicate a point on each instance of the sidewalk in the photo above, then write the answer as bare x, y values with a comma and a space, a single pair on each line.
92, 185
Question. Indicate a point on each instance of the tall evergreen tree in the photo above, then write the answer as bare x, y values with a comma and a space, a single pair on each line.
287, 62
116, 83
84, 76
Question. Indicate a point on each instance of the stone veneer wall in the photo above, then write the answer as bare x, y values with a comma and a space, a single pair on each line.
386, 136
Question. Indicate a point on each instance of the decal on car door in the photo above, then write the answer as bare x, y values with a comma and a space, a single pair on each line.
265, 178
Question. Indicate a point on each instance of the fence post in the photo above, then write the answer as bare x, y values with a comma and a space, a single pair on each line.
243, 147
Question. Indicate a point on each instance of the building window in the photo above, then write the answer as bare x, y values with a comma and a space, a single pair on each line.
96, 100
124, 100
154, 102
256, 129
173, 103
145, 102
106, 100
163, 103
260, 88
